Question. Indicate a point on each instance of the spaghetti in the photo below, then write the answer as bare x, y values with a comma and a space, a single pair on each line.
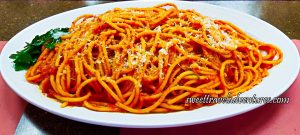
149, 60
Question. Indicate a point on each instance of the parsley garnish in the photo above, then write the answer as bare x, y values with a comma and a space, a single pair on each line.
28, 56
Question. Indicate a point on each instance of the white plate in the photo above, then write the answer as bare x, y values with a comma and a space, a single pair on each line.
279, 80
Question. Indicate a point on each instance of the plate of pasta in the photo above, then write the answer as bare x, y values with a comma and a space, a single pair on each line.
148, 64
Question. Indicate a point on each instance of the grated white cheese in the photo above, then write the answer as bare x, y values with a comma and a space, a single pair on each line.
180, 15
64, 71
138, 55
163, 51
213, 41
149, 53
169, 44
197, 18
203, 59
139, 46
160, 65
126, 64
226, 42
207, 22
143, 59
250, 47
161, 74
98, 62
157, 29
216, 26
133, 62
110, 61
129, 51
181, 47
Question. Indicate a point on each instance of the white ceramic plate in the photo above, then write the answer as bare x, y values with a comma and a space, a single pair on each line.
279, 80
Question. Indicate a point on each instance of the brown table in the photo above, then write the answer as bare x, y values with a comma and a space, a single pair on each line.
16, 15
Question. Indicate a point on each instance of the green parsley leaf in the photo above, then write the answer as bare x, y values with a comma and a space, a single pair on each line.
28, 56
